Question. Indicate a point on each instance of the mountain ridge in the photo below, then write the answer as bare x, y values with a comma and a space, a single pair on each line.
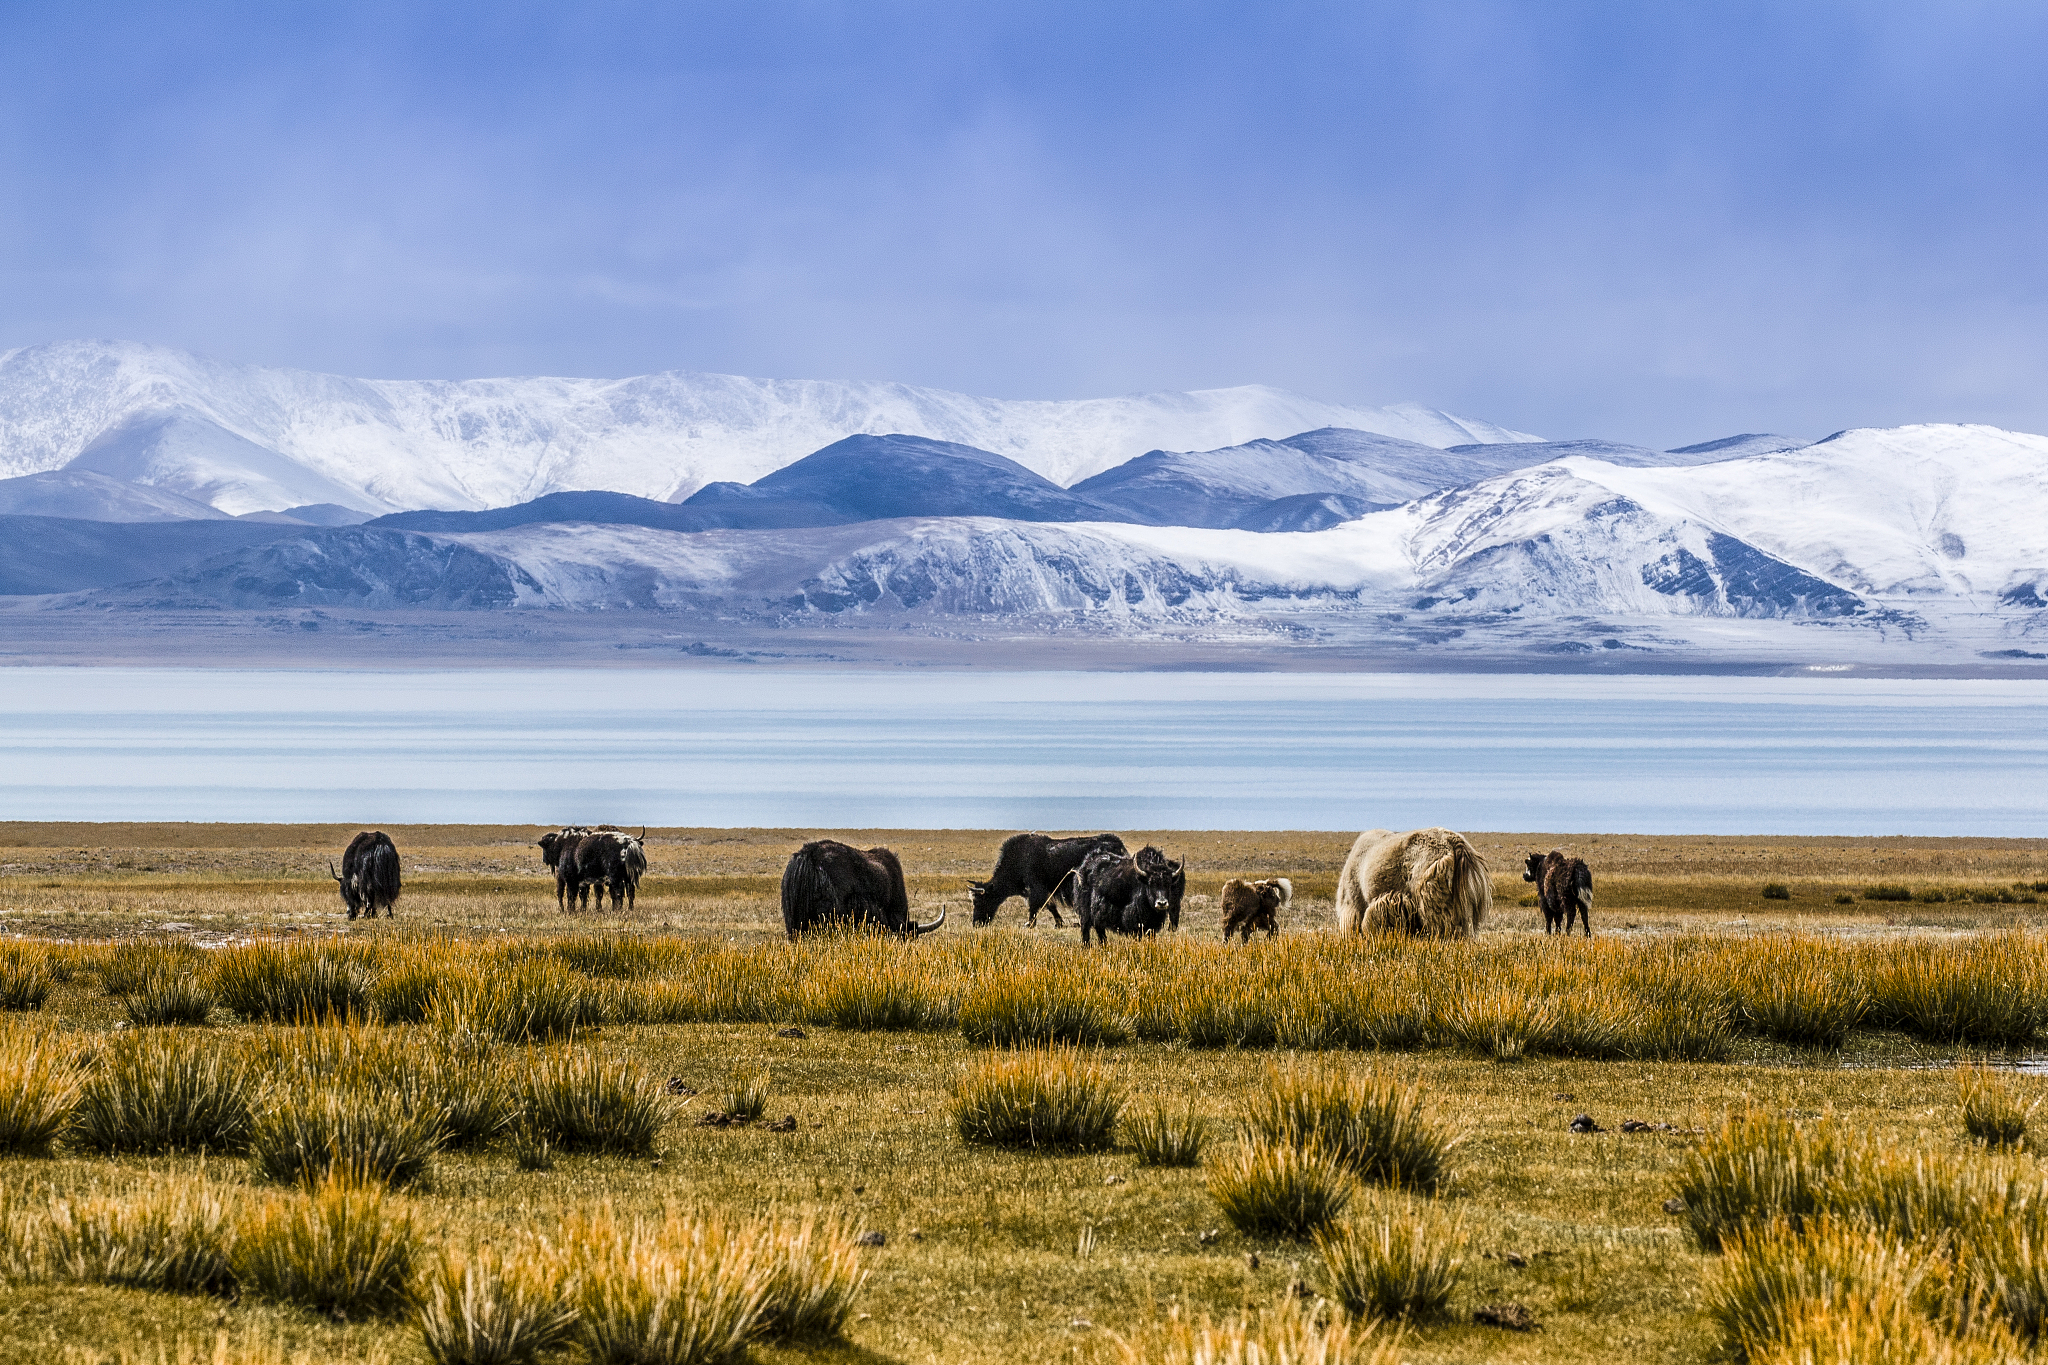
399, 445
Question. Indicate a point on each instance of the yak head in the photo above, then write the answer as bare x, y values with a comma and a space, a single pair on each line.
1532, 870
985, 902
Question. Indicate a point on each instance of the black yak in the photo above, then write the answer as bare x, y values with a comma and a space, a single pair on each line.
1564, 888
828, 883
1040, 869
1152, 859
1255, 905
1121, 894
369, 874
603, 858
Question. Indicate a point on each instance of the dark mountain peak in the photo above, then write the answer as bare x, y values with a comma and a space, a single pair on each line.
1748, 443
874, 478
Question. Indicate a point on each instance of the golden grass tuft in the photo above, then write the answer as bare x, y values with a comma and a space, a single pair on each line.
1050, 1098
814, 1276
177, 1235
155, 1091
574, 1100
340, 1247
681, 1291
1284, 1335
315, 1129
1372, 1124
1993, 1111
1880, 1330
1165, 1136
38, 1089
1267, 1187
1040, 1006
748, 1097
1402, 1262
489, 1306
295, 983
1771, 1276
532, 1001
25, 978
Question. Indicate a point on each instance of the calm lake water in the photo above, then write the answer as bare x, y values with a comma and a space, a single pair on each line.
1023, 751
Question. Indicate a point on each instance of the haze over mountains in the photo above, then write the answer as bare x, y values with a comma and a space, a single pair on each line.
151, 483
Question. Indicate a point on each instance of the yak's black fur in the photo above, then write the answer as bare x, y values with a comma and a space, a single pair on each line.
609, 861
829, 883
1040, 869
1123, 895
1564, 889
369, 874
1151, 859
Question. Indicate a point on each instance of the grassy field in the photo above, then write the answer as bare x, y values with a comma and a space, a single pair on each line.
997, 1254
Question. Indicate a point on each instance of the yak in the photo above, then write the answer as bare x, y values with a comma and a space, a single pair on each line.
602, 858
1123, 894
1564, 888
828, 883
1039, 868
369, 874
1427, 883
1177, 881
1255, 905
611, 862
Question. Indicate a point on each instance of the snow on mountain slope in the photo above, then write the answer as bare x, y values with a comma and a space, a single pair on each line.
1218, 488
85, 496
1928, 534
1904, 512
403, 444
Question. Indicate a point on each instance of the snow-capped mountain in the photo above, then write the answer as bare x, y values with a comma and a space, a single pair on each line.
85, 496
1917, 533
1235, 485
245, 438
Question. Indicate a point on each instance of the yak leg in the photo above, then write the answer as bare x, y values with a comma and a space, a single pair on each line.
1393, 913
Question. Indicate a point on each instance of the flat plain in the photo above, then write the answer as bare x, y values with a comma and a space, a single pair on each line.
1003, 1255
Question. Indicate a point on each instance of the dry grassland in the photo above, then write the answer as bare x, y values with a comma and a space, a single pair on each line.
999, 1255
219, 881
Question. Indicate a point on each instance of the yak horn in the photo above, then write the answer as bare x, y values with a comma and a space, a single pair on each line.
330, 870
642, 836
916, 928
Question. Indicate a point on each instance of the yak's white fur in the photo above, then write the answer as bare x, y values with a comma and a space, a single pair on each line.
1427, 883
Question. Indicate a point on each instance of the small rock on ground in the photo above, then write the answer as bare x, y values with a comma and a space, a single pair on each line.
1514, 1317
1584, 1124
872, 1239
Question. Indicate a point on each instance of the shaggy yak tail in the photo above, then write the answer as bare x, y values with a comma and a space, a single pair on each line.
379, 872
1582, 885
1458, 883
806, 890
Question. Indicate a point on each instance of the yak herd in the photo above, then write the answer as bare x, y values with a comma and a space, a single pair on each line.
1425, 883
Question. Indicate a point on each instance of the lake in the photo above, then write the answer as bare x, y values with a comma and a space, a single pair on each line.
815, 749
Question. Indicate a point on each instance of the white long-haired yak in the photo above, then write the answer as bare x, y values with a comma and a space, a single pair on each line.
1427, 883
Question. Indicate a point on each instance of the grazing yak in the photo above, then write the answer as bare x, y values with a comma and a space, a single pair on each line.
369, 874
1255, 905
600, 856
1039, 868
828, 883
1564, 888
1121, 894
610, 861
1426, 883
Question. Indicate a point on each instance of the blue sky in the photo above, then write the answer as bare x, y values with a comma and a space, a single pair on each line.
1653, 222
